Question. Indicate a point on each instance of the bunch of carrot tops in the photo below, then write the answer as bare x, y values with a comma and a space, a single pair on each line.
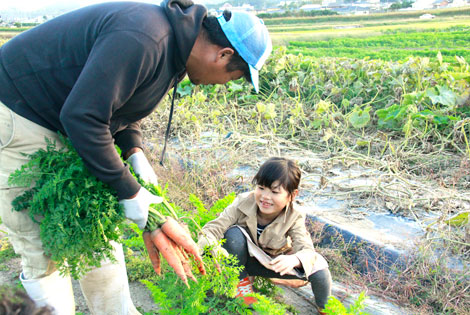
164, 234
79, 215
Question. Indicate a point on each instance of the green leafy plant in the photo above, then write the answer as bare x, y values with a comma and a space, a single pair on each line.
213, 293
266, 287
335, 307
78, 214
266, 305
203, 215
359, 118
396, 46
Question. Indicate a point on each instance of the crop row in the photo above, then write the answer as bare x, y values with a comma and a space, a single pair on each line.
403, 40
386, 54
372, 17
300, 93
419, 40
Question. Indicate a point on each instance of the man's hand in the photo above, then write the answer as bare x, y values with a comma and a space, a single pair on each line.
137, 208
142, 167
285, 263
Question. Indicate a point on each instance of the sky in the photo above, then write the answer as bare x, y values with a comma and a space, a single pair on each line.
32, 5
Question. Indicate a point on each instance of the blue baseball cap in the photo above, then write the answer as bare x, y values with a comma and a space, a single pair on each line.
250, 38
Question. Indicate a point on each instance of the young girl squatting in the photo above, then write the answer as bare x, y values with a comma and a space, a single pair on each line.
267, 235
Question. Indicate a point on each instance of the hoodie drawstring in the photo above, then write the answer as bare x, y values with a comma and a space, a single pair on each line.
167, 133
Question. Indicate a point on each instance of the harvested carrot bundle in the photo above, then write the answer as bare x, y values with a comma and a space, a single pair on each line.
153, 252
185, 262
200, 265
163, 218
165, 246
181, 236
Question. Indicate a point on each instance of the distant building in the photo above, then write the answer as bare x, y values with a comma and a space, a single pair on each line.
274, 10
439, 4
245, 7
311, 7
458, 3
354, 10
333, 4
326, 3
422, 4
367, 4
285, 3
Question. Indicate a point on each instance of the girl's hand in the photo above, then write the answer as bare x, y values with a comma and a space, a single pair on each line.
285, 263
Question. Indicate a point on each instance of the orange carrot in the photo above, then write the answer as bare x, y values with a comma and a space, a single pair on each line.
154, 255
181, 236
185, 262
165, 246
200, 266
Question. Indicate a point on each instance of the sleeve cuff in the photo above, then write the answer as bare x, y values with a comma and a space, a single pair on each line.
128, 139
127, 186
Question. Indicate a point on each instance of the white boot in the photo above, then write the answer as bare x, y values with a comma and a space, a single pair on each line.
53, 290
106, 289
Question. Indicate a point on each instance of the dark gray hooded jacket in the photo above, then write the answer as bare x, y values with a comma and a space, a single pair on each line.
93, 73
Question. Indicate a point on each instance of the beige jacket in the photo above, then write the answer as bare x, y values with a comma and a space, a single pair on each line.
287, 234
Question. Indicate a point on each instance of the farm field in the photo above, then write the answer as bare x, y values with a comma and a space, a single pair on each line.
378, 105
379, 122
394, 46
386, 39
5, 35
333, 29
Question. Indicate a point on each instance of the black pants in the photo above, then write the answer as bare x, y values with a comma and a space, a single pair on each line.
236, 245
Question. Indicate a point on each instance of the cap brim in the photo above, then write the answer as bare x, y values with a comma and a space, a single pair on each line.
254, 77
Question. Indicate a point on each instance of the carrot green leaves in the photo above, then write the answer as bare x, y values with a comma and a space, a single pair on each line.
78, 214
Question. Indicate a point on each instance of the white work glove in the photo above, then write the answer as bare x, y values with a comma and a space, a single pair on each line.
142, 167
137, 208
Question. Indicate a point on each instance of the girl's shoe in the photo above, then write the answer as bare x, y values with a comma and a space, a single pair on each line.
245, 287
319, 310
291, 283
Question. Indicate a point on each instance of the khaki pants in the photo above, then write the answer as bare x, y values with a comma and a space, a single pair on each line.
106, 288
19, 136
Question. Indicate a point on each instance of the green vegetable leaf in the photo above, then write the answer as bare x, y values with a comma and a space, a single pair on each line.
360, 117
460, 219
78, 215
442, 95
